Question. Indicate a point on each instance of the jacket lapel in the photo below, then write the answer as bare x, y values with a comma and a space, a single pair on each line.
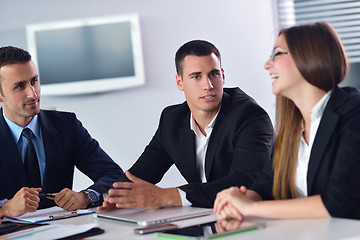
10, 156
52, 148
216, 135
324, 133
187, 143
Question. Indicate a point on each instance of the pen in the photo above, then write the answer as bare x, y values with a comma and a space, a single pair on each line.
47, 195
72, 214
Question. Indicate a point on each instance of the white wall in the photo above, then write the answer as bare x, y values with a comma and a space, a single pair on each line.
124, 121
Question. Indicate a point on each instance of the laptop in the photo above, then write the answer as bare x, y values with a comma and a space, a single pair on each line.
150, 217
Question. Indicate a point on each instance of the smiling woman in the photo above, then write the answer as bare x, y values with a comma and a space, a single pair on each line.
321, 63
313, 115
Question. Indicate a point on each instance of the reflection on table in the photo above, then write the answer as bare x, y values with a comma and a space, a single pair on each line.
329, 229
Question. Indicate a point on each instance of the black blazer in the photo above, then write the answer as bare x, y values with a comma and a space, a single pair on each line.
334, 165
239, 146
67, 144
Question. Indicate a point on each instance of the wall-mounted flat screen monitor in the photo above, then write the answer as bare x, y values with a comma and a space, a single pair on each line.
87, 55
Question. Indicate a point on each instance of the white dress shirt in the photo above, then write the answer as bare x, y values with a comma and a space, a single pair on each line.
201, 144
305, 149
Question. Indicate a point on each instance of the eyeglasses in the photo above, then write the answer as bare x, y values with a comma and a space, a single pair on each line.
276, 53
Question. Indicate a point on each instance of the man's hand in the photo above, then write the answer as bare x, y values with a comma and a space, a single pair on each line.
106, 206
25, 200
140, 194
70, 200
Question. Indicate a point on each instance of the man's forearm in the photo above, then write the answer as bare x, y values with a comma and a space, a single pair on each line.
172, 197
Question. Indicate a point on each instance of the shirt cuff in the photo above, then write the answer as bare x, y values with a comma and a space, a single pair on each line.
3, 201
184, 201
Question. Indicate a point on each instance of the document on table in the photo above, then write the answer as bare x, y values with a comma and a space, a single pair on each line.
49, 231
49, 214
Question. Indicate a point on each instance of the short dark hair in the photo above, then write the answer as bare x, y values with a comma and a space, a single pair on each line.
195, 47
13, 55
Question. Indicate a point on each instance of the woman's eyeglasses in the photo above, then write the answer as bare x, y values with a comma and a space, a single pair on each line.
276, 53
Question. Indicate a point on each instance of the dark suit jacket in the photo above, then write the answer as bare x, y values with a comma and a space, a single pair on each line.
334, 165
239, 145
67, 144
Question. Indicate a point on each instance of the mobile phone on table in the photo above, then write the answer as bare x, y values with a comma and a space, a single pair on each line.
212, 230
156, 228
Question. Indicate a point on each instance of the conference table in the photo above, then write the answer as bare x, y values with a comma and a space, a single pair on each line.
327, 229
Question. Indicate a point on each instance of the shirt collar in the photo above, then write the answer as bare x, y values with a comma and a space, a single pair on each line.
195, 127
16, 130
319, 108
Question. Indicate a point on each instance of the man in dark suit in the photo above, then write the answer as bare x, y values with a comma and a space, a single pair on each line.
43, 159
218, 138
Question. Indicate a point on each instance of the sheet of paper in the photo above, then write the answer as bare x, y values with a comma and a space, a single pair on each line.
49, 214
49, 231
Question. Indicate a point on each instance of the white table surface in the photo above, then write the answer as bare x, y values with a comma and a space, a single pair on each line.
305, 229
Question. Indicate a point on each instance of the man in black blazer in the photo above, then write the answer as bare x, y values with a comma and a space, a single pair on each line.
218, 138
58, 138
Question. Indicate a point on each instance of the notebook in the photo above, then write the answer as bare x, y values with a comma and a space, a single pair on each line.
150, 217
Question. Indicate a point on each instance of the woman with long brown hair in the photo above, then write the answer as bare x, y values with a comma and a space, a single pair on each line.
315, 172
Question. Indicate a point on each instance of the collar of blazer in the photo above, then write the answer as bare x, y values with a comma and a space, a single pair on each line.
9, 153
217, 134
52, 145
324, 133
